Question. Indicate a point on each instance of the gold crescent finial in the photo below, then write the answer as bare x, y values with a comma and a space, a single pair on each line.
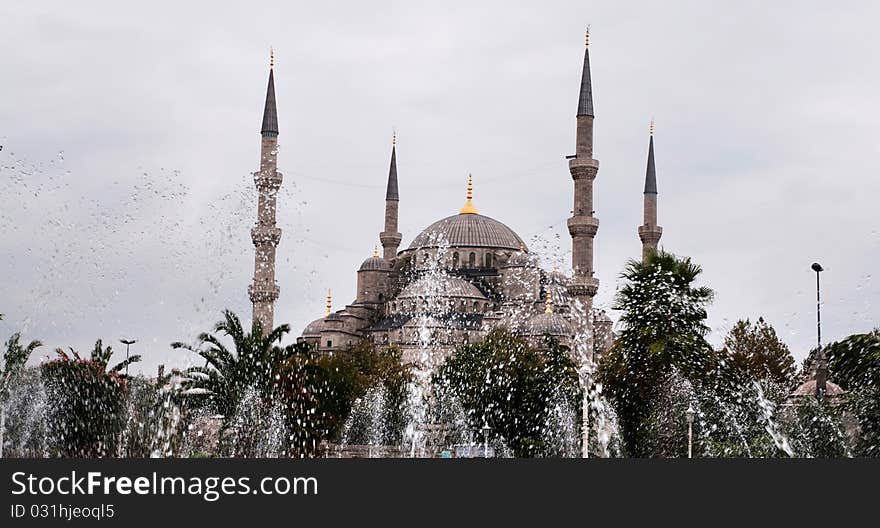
375, 251
329, 303
651, 127
548, 305
468, 207
271, 57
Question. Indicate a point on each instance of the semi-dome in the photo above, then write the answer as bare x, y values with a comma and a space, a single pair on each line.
468, 230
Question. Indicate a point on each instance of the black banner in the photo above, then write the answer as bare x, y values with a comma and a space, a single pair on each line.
395, 492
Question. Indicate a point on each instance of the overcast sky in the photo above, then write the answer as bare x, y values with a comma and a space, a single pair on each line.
130, 133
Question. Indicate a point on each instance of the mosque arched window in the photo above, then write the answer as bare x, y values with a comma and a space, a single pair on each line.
472, 260
488, 260
463, 308
476, 307
455, 260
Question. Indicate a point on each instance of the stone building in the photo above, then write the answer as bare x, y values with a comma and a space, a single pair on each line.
463, 275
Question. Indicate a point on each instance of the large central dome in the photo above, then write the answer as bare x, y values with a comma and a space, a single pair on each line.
468, 230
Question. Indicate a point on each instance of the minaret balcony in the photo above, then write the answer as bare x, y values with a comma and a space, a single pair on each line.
583, 168
390, 239
263, 291
583, 285
583, 225
649, 233
268, 181
263, 234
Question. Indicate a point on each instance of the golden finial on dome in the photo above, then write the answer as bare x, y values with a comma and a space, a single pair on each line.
375, 251
548, 305
329, 303
468, 207
271, 57
587, 37
394, 138
522, 247
651, 127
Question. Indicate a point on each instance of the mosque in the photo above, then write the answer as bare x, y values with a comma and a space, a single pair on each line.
463, 275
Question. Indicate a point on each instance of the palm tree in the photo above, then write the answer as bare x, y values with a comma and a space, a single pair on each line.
227, 375
15, 358
663, 328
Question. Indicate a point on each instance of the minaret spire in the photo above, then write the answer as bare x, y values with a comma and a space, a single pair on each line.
583, 225
264, 291
468, 207
585, 101
650, 232
390, 237
270, 114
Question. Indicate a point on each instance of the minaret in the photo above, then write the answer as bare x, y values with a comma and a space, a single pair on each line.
263, 290
583, 225
390, 237
650, 232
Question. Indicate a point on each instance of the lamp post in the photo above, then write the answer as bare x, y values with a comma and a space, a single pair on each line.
690, 412
818, 269
127, 343
486, 430
822, 366
586, 420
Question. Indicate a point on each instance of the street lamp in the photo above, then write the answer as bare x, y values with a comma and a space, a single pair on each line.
690, 412
822, 367
818, 268
486, 430
127, 343
586, 418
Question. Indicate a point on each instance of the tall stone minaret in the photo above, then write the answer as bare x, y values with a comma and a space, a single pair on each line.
583, 225
390, 237
263, 290
650, 232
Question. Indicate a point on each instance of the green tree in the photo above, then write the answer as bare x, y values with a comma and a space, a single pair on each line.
86, 411
321, 391
663, 332
511, 387
854, 364
756, 349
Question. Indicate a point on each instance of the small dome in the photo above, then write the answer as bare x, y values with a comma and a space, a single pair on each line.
314, 328
442, 286
468, 230
375, 264
553, 323
808, 388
